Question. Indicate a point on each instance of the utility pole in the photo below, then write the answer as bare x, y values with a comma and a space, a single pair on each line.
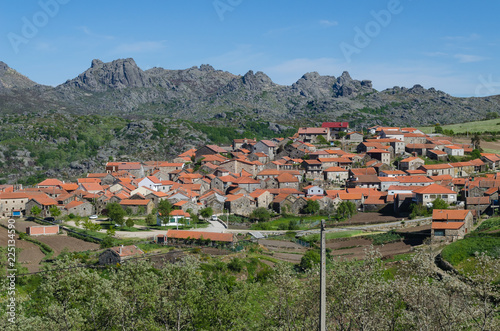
322, 307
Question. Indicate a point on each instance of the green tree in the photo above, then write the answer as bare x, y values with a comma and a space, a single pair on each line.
151, 219
312, 207
116, 213
475, 154
438, 128
129, 222
91, 226
346, 209
309, 259
260, 214
206, 212
476, 142
164, 209
107, 242
54, 211
439, 204
35, 210
111, 231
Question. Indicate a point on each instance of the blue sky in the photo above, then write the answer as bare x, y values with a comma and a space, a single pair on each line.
453, 46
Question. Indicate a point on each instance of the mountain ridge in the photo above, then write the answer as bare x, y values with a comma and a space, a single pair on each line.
121, 87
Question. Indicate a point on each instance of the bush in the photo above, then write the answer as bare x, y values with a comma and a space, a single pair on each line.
489, 224
385, 238
310, 258
235, 265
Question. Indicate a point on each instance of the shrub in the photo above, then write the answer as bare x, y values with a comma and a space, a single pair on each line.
310, 258
385, 238
235, 265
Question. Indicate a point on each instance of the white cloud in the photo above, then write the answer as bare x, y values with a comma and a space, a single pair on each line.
328, 23
468, 58
140, 47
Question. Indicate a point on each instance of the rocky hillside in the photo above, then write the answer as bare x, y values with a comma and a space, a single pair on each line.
203, 94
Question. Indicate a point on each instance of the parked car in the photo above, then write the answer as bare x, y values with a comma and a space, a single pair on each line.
93, 217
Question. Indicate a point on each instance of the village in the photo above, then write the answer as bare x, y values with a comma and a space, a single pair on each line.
387, 169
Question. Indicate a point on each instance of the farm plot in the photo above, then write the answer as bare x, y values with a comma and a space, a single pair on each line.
369, 218
62, 242
355, 248
30, 255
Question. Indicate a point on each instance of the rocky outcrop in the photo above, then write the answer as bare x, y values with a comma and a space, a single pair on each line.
202, 93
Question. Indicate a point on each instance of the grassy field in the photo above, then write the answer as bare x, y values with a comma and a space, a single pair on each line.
282, 223
477, 126
332, 235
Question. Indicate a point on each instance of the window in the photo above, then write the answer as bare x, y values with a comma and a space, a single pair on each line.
444, 196
439, 233
433, 196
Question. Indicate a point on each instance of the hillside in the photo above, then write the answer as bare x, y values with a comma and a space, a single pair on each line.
203, 94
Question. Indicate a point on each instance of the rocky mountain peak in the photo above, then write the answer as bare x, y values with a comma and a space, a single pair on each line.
345, 86
9, 78
3, 67
256, 81
121, 73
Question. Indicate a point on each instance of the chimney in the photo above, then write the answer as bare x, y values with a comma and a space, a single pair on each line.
121, 247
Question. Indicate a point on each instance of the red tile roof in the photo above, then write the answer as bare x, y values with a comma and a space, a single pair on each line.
434, 189
447, 225
449, 214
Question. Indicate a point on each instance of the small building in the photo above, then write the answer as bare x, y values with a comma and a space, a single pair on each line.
311, 190
453, 150
176, 217
138, 206
411, 163
432, 192
119, 254
40, 230
450, 225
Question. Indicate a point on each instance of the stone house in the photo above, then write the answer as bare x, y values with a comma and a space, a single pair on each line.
479, 204
43, 202
428, 194
437, 154
381, 155
267, 147
142, 207
283, 203
411, 163
79, 208
247, 183
313, 169
239, 204
336, 175
237, 166
450, 225
263, 198
453, 150
215, 200
119, 254
12, 201
311, 135
287, 180
438, 169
